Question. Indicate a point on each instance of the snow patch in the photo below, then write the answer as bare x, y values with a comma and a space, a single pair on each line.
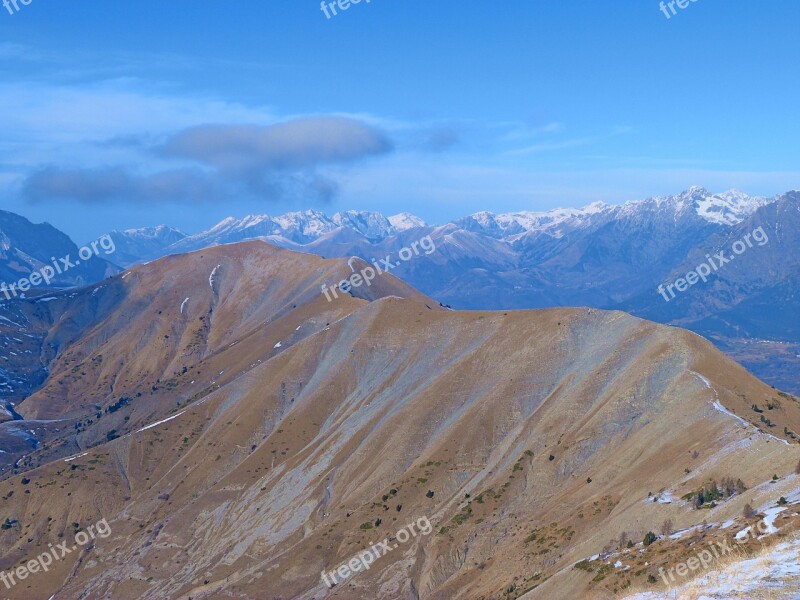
160, 422
71, 458
211, 277
769, 520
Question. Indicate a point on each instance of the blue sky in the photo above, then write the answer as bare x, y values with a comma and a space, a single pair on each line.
119, 115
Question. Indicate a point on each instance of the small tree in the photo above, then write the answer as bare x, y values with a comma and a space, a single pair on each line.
623, 540
748, 512
666, 527
649, 538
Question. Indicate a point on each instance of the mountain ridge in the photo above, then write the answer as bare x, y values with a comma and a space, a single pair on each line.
725, 208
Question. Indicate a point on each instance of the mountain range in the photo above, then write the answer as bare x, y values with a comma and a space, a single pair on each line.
606, 256
243, 436
522, 230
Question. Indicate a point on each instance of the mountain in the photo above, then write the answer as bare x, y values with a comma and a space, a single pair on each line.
750, 306
535, 236
403, 221
242, 436
140, 245
296, 228
26, 247
601, 255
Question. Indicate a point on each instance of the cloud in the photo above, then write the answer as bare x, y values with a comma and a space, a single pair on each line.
569, 143
440, 139
295, 144
545, 147
114, 184
272, 162
522, 131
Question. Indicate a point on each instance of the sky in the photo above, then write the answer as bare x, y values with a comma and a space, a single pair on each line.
120, 115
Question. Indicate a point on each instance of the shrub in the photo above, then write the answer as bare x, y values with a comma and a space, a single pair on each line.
584, 566
649, 538
666, 527
124, 401
781, 501
748, 512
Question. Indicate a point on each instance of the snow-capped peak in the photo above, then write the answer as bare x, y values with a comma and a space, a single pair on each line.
728, 208
404, 221
550, 221
369, 224
154, 233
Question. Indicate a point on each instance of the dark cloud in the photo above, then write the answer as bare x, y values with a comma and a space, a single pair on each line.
275, 162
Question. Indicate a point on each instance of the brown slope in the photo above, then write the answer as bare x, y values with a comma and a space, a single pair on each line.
132, 339
254, 488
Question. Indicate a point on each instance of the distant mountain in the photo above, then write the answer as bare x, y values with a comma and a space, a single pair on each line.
26, 247
296, 228
534, 235
405, 220
138, 245
752, 295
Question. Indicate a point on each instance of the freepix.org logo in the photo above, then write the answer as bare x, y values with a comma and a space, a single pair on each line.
329, 8
43, 561
713, 264
47, 273
368, 274
12, 6
364, 560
